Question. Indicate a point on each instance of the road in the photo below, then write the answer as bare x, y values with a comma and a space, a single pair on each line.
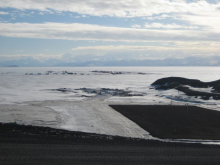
94, 153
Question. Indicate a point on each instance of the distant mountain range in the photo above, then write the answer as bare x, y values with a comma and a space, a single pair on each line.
189, 61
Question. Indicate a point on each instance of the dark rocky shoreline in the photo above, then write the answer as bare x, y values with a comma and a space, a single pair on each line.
179, 83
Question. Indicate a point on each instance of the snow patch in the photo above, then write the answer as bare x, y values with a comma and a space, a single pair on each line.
96, 116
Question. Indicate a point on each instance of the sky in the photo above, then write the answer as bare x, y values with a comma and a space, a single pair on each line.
141, 29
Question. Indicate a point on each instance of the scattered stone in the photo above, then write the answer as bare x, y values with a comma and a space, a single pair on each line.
110, 92
116, 73
101, 92
64, 90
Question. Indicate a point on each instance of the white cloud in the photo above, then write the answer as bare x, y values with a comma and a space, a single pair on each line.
122, 47
168, 26
195, 26
200, 13
136, 26
41, 13
76, 31
3, 13
210, 22
191, 46
112, 47
161, 17
118, 8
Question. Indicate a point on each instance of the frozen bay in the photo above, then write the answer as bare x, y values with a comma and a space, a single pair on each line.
30, 95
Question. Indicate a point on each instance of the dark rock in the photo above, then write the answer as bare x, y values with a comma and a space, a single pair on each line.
116, 73
179, 82
216, 88
111, 92
172, 82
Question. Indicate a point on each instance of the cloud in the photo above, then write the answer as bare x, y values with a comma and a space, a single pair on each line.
3, 13
42, 57
120, 47
117, 8
77, 31
168, 26
191, 46
209, 22
136, 26
192, 26
201, 13
179, 49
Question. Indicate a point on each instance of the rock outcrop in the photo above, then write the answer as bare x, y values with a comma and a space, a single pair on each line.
182, 84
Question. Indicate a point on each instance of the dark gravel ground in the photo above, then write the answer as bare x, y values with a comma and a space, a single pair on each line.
24, 145
174, 122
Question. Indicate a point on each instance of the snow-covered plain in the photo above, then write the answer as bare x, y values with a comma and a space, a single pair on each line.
30, 96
